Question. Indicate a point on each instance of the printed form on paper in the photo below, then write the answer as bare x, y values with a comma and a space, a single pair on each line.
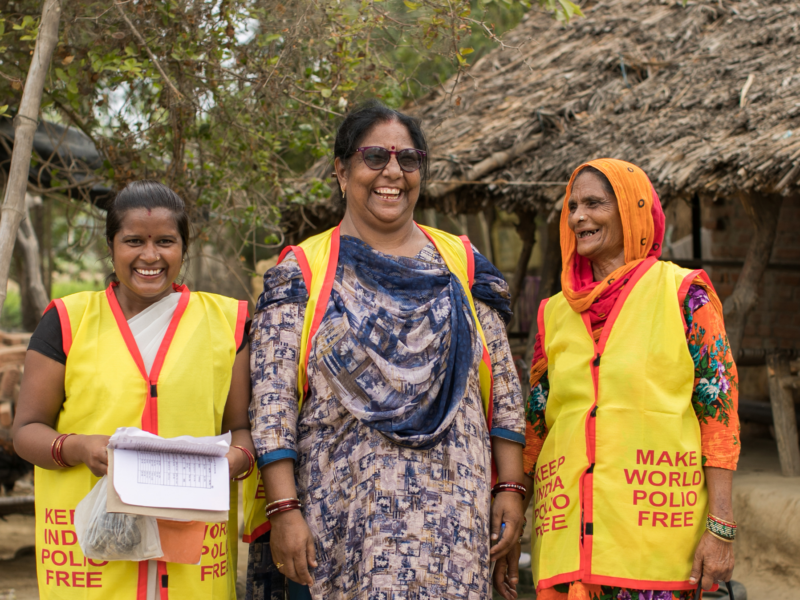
183, 472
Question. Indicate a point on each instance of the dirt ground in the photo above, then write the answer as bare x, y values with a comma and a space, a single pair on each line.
766, 565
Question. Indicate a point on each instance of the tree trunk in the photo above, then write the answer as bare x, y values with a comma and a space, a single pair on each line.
33, 294
551, 273
779, 375
25, 124
763, 212
527, 231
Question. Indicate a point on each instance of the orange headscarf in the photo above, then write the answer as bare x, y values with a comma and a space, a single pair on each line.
642, 227
643, 230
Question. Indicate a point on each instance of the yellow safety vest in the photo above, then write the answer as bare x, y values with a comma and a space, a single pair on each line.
620, 495
106, 387
318, 258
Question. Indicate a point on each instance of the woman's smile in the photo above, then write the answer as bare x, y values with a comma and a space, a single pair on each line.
388, 193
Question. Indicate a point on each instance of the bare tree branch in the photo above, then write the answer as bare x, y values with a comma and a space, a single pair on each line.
25, 124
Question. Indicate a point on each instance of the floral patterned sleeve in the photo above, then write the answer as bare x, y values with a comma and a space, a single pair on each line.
536, 428
508, 416
716, 390
274, 347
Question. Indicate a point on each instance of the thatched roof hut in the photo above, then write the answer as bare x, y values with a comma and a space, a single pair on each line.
704, 97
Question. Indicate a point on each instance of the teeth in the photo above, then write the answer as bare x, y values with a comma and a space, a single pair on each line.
149, 271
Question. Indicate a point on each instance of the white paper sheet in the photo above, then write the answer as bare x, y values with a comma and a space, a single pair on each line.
133, 438
182, 472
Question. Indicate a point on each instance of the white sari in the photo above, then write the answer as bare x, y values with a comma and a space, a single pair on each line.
149, 328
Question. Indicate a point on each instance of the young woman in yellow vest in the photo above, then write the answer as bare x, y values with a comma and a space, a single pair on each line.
633, 429
143, 353
393, 337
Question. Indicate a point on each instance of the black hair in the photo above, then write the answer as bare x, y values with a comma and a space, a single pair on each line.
358, 123
601, 176
147, 194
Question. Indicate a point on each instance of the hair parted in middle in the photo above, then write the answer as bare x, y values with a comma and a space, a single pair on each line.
360, 121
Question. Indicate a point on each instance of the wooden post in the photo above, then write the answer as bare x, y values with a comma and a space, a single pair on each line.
25, 124
763, 211
527, 231
783, 415
551, 272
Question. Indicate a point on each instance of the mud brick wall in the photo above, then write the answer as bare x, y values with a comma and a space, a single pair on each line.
775, 321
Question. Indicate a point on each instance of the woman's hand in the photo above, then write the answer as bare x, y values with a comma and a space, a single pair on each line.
292, 546
88, 449
506, 508
714, 560
506, 573
238, 462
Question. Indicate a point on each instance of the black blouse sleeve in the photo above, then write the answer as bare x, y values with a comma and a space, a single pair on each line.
47, 338
245, 336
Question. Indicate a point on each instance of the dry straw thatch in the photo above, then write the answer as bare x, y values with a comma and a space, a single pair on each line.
704, 97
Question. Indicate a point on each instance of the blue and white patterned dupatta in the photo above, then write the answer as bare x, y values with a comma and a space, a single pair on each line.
397, 343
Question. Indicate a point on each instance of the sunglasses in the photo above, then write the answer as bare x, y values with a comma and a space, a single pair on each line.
377, 157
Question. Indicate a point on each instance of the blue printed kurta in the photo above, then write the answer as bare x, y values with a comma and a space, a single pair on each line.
389, 522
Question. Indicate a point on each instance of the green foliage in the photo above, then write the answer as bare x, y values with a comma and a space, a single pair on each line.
11, 319
229, 101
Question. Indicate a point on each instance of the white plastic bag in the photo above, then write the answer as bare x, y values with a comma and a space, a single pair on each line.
114, 536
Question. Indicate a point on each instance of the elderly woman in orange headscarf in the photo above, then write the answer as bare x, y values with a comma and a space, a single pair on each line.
632, 434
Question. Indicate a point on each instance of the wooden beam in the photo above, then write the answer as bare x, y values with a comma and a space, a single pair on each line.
527, 231
783, 413
486, 166
763, 212
549, 285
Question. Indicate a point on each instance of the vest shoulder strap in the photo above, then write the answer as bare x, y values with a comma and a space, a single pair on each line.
456, 252
235, 312
70, 313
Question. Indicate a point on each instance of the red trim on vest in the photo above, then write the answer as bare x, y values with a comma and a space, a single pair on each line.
302, 262
586, 483
637, 274
150, 413
640, 584
540, 324
241, 319
66, 326
557, 579
141, 584
162, 572
324, 295
470, 259
257, 533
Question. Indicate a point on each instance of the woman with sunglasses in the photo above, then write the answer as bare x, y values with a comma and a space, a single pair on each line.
384, 396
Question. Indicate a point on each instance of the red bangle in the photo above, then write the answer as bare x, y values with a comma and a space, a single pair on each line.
55, 450
509, 486
251, 463
279, 507
283, 504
